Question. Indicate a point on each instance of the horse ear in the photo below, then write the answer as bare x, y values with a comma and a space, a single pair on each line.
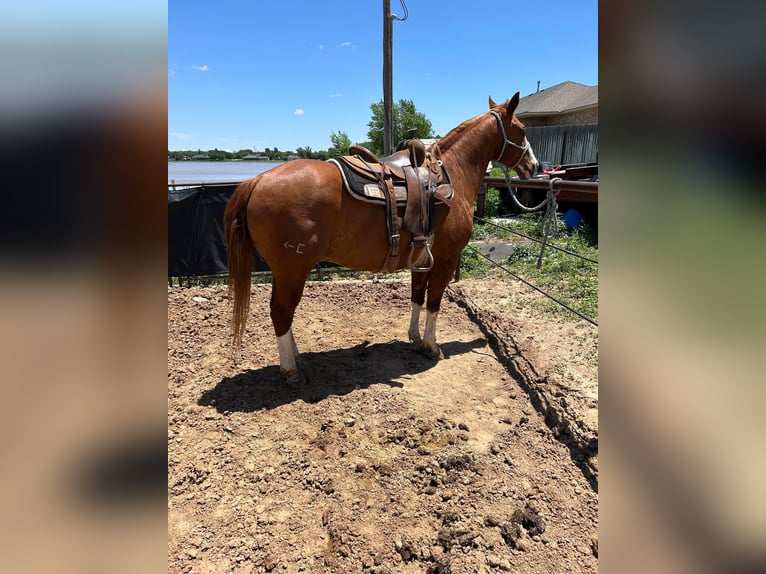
492, 103
512, 103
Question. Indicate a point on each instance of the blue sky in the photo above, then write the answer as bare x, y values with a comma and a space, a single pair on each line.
286, 74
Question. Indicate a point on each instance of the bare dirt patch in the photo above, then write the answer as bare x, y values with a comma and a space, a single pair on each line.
385, 461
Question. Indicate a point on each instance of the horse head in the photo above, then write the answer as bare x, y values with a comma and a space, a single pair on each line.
515, 151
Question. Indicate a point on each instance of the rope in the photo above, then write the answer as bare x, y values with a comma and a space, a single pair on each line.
524, 148
549, 218
520, 205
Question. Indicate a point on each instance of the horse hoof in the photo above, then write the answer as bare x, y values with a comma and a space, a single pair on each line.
432, 352
294, 379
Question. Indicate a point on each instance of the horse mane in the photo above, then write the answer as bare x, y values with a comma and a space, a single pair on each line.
455, 133
450, 142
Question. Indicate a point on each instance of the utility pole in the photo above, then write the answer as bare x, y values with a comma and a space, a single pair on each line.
388, 89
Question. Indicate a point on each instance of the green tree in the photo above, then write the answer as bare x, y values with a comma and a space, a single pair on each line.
304, 152
216, 154
340, 143
406, 117
275, 154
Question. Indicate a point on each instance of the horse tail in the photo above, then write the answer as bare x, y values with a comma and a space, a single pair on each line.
239, 252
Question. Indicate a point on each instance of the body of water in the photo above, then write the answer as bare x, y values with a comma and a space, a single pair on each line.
214, 171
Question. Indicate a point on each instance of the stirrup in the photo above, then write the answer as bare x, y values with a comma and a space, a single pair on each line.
430, 260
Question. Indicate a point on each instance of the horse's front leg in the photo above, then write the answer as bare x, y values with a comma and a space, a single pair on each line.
437, 280
414, 330
426, 344
418, 299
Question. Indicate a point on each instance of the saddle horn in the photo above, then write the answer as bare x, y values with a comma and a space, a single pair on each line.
417, 152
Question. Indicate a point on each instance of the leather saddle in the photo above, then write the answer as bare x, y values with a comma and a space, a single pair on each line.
411, 181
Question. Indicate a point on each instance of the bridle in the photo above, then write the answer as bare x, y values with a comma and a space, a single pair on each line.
524, 148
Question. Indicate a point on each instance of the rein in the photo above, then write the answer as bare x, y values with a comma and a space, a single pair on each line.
524, 148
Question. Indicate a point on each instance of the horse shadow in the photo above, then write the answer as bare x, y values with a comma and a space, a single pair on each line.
336, 372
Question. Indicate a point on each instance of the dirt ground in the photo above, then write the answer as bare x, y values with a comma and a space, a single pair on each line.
386, 461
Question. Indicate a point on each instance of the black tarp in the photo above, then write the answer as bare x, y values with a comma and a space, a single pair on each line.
196, 244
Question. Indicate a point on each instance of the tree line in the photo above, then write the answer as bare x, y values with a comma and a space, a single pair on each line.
406, 118
271, 154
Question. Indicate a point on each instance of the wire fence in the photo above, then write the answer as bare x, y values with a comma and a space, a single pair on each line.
535, 239
504, 268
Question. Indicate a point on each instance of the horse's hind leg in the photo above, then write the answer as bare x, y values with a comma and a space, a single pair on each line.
286, 293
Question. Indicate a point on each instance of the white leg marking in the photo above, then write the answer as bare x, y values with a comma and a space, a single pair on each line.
288, 352
414, 331
429, 337
292, 340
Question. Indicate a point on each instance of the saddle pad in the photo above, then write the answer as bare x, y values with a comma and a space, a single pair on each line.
364, 188
367, 189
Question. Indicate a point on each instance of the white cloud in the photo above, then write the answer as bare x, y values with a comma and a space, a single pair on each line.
347, 45
336, 95
298, 112
200, 68
321, 46
180, 135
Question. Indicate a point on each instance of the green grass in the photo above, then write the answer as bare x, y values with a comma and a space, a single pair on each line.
565, 277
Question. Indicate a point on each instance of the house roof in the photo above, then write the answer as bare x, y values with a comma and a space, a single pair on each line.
559, 99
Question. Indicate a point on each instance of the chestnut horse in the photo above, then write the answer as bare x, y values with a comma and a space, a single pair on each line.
298, 214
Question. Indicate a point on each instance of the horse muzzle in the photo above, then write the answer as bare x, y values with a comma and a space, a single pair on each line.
526, 170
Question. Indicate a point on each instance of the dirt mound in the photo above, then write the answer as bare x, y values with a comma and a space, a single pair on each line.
384, 461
